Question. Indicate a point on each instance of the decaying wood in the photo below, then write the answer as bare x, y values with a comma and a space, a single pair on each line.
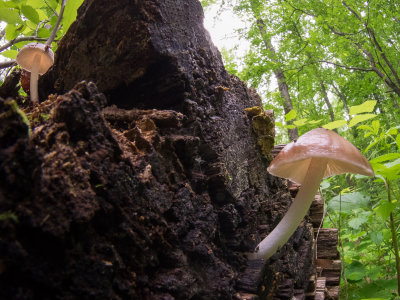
316, 212
330, 270
327, 243
333, 292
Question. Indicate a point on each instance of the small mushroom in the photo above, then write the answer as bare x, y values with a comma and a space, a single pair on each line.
36, 58
317, 154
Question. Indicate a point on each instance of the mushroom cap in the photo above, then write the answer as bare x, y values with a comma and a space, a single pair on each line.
27, 54
320, 143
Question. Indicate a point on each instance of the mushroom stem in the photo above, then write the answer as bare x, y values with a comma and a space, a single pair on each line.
35, 78
301, 204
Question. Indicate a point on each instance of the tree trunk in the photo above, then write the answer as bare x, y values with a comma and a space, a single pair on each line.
150, 185
342, 97
281, 80
326, 100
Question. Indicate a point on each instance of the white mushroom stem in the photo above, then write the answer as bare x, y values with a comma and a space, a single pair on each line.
35, 78
301, 204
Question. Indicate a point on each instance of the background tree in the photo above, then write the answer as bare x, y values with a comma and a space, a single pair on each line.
340, 61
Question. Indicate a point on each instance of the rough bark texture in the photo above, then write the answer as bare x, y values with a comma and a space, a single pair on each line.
152, 189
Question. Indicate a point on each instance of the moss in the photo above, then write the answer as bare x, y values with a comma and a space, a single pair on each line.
16, 110
263, 125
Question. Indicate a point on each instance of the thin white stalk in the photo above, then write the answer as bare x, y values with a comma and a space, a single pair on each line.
301, 204
35, 78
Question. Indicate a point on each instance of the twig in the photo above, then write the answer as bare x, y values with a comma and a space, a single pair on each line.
8, 64
342, 248
54, 11
55, 29
21, 39
394, 236
2, 33
346, 67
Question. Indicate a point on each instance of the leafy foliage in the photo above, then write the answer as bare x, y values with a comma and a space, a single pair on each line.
32, 20
341, 64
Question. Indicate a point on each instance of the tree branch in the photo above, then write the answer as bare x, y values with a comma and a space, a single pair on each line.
300, 10
21, 39
55, 29
8, 64
346, 67
375, 42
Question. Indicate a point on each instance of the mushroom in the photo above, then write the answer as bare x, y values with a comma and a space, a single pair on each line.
317, 154
36, 58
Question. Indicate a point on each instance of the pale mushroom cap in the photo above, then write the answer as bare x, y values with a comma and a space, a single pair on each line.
26, 55
293, 160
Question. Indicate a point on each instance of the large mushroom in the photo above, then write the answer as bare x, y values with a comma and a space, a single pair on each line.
36, 58
317, 154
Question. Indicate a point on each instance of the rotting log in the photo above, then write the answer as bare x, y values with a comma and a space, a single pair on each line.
327, 243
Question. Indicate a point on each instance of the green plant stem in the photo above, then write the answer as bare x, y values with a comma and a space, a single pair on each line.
342, 249
394, 238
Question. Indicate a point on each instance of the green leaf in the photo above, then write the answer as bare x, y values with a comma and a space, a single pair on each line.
385, 157
367, 106
9, 16
393, 170
355, 276
383, 211
300, 122
53, 3
398, 142
376, 125
43, 33
70, 13
290, 115
36, 3
355, 271
360, 118
11, 32
30, 13
315, 122
371, 145
8, 215
359, 220
349, 202
389, 171
365, 127
388, 284
377, 237
335, 124
10, 53
290, 126
392, 131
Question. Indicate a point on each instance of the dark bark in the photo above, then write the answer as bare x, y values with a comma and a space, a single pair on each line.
341, 97
326, 100
154, 188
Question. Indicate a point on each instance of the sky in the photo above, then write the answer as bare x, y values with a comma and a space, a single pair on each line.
222, 26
